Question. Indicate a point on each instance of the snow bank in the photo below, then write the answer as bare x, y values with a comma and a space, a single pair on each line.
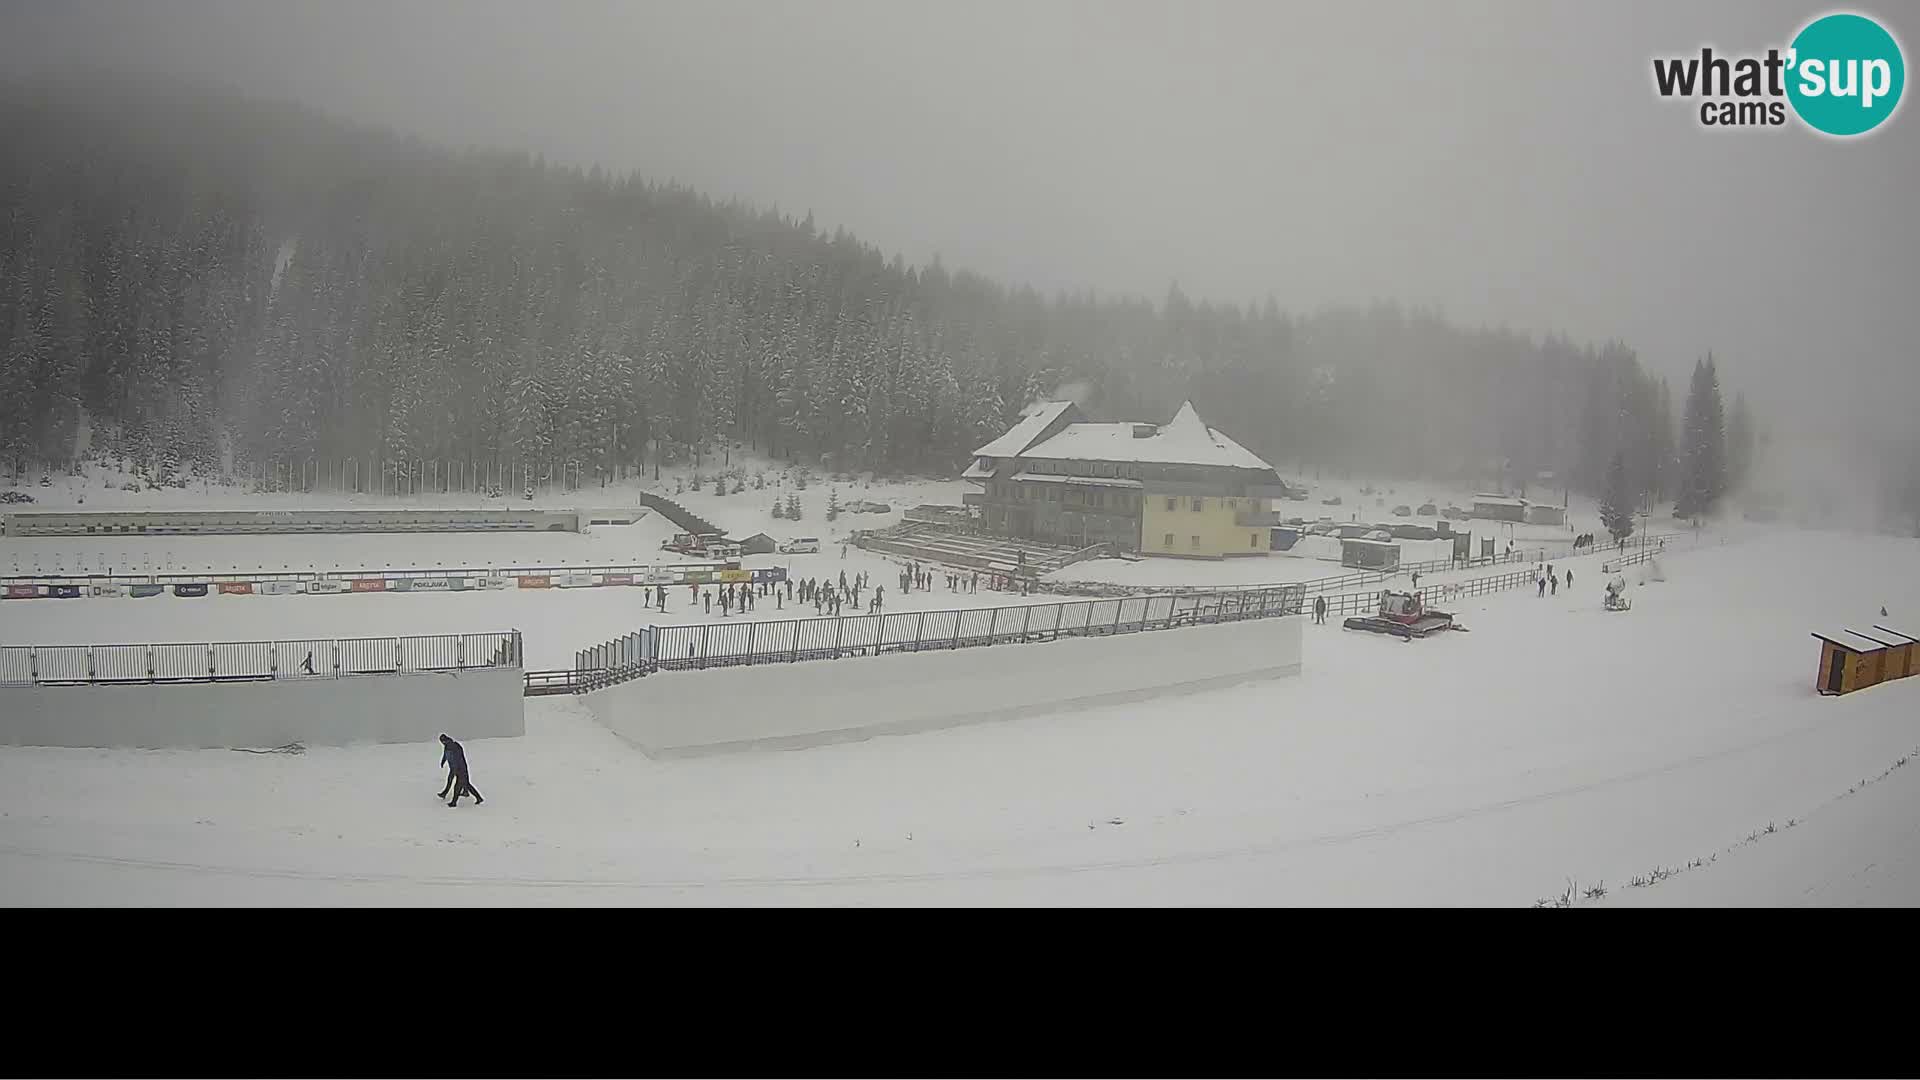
474, 704
786, 706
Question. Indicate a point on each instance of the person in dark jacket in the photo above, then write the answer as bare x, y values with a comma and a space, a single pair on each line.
1319, 609
454, 757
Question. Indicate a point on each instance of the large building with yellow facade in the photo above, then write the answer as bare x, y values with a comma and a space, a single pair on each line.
1179, 488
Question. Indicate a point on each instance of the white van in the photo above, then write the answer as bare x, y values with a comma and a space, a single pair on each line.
801, 545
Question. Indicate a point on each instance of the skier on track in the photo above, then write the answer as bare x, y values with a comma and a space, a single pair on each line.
454, 757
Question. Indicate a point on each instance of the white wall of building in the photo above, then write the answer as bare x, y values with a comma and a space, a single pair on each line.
482, 703
787, 706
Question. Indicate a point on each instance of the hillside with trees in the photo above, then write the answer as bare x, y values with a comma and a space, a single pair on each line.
199, 281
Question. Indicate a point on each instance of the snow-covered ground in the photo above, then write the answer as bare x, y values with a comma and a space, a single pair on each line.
1554, 742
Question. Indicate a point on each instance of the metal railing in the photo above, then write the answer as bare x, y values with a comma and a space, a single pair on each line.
1367, 603
45, 665
705, 645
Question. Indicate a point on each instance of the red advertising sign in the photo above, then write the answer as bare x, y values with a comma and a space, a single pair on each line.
236, 588
541, 582
374, 584
21, 592
619, 579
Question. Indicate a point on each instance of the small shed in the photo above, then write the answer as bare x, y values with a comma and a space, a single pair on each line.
1370, 554
1849, 662
759, 544
1903, 652
1499, 508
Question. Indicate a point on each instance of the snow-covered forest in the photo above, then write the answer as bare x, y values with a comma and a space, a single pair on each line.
196, 278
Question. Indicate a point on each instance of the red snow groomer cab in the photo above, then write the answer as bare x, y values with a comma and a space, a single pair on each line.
1404, 616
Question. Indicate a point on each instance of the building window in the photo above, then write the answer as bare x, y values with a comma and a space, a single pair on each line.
1198, 503
1168, 542
1253, 541
1193, 542
1171, 506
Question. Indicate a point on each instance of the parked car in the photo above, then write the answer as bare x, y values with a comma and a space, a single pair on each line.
1335, 501
801, 545
1403, 511
1427, 510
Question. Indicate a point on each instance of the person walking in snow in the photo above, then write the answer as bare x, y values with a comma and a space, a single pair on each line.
1320, 609
706, 598
1553, 581
1569, 581
1541, 582
454, 757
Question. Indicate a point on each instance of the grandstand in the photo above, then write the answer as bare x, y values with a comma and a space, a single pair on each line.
933, 543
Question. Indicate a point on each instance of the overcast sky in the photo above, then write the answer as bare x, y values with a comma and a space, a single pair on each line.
1505, 162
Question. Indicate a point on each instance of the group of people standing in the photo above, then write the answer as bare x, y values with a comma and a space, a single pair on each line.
828, 597
741, 596
1548, 580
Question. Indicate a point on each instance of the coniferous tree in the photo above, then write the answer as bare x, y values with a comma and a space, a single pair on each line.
1703, 445
1616, 507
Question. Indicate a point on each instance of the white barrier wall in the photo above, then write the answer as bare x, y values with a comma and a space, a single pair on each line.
786, 706
482, 703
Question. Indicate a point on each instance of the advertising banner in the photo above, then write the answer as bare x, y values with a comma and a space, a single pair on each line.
236, 588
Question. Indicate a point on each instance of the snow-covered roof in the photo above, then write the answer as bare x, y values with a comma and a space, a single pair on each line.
1184, 440
975, 472
1020, 435
1895, 633
1497, 500
1847, 639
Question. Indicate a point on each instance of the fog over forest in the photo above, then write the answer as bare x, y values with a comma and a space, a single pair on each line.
1386, 236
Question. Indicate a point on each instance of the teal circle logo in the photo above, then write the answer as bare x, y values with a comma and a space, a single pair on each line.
1845, 74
